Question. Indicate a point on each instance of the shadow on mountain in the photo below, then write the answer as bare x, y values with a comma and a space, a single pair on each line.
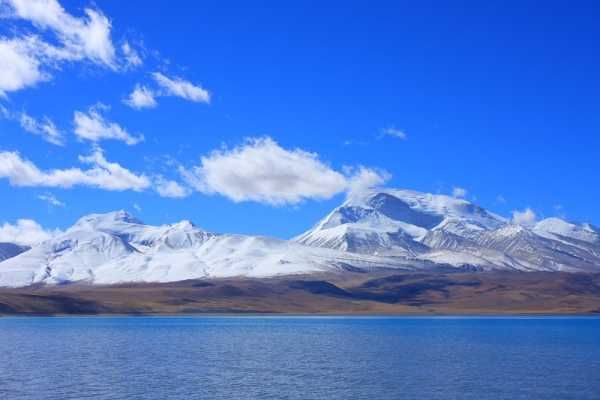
391, 289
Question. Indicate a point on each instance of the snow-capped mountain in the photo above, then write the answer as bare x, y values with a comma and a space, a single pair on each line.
398, 222
116, 247
386, 228
558, 229
453, 231
139, 235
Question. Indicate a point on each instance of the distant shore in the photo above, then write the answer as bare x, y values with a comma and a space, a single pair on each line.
350, 294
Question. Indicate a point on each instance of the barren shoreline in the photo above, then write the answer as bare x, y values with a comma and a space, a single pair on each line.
493, 293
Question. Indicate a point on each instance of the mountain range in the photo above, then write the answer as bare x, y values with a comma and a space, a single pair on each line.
383, 229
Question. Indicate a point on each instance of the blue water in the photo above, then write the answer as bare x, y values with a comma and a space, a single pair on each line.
299, 358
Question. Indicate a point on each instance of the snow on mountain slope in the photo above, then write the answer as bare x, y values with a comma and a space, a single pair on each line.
427, 210
225, 256
453, 231
386, 228
538, 252
556, 228
474, 259
394, 221
9, 250
361, 239
71, 256
115, 247
180, 235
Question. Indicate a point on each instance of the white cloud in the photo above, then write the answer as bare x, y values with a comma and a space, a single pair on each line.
391, 131
102, 174
144, 97
141, 97
27, 59
500, 199
51, 199
363, 178
132, 57
44, 128
111, 176
137, 207
181, 88
25, 232
525, 217
19, 66
86, 37
262, 171
92, 126
169, 188
459, 193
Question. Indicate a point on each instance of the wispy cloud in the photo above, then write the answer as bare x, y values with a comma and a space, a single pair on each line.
131, 55
394, 132
51, 199
141, 97
44, 127
181, 88
92, 126
102, 174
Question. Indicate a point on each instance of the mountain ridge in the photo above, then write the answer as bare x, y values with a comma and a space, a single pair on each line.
377, 229
454, 231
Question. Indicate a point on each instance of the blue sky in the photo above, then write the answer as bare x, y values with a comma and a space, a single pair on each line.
259, 117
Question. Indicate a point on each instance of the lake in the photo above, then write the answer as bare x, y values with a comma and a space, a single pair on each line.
300, 358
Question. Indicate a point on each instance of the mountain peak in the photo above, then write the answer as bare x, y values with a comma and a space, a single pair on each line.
107, 219
395, 219
408, 208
